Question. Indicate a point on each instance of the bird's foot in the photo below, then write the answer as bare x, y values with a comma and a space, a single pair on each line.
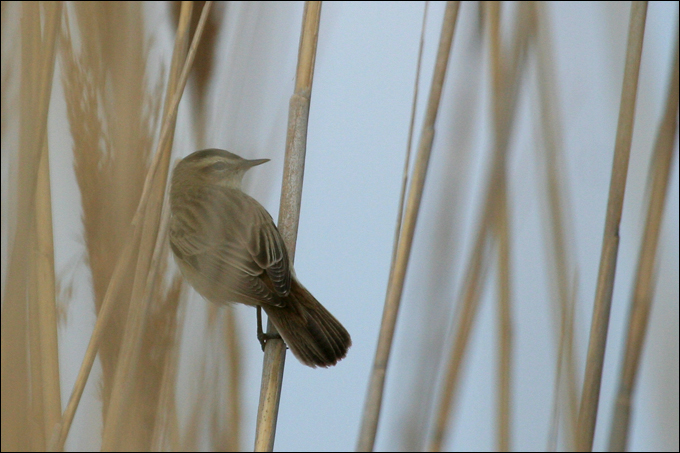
261, 336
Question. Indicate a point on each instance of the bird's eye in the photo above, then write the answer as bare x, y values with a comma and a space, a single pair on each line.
218, 166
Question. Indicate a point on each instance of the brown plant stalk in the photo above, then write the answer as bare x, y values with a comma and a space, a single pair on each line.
643, 291
37, 66
289, 215
590, 395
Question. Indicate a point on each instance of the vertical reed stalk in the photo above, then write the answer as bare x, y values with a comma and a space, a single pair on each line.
409, 142
289, 215
233, 391
502, 231
504, 328
373, 403
37, 66
35, 395
644, 281
610, 243
45, 288
166, 436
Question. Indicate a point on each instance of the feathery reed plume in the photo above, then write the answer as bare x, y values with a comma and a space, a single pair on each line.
112, 114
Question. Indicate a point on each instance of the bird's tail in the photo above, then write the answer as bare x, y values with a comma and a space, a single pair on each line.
314, 336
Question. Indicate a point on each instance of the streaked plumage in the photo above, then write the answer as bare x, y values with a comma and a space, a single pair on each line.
229, 249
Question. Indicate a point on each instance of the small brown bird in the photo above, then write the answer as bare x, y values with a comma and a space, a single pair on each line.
228, 248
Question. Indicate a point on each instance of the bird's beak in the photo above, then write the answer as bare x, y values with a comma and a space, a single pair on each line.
254, 162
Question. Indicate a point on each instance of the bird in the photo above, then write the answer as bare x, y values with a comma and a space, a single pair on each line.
228, 248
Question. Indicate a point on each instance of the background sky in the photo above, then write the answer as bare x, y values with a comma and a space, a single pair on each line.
359, 117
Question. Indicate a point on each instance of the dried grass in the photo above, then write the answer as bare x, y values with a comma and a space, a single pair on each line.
122, 138
27, 403
114, 112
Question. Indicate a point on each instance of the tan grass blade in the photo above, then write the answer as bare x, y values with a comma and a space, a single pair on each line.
409, 141
644, 281
35, 399
289, 216
45, 281
502, 231
505, 327
37, 65
233, 391
373, 403
47, 315
590, 395
166, 433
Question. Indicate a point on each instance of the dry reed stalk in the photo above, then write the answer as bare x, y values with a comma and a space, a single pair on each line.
504, 327
166, 434
7, 103
413, 436
502, 232
409, 140
37, 65
373, 403
44, 358
550, 125
610, 243
45, 289
35, 399
289, 216
45, 281
505, 80
644, 281
233, 398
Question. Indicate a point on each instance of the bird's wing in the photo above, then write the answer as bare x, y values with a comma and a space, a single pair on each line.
233, 255
266, 247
